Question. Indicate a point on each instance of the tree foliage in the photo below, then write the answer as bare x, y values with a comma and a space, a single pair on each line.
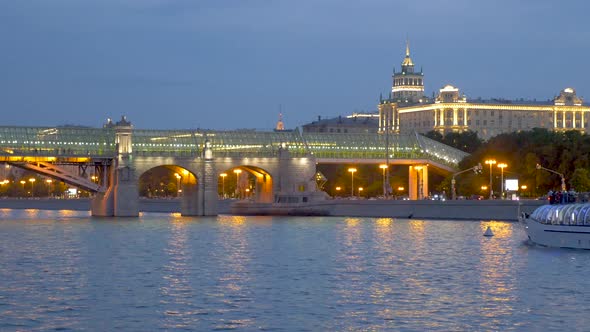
564, 152
466, 141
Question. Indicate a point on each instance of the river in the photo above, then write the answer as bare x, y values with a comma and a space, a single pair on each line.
68, 271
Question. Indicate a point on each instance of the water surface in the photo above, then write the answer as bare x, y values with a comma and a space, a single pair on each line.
64, 270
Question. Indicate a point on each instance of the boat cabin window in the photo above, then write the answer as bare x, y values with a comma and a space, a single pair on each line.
571, 214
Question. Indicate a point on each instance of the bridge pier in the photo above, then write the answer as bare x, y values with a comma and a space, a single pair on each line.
121, 198
200, 198
418, 182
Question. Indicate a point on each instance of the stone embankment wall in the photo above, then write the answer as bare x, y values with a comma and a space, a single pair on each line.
465, 210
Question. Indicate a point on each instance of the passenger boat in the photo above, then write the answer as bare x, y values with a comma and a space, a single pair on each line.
560, 225
304, 204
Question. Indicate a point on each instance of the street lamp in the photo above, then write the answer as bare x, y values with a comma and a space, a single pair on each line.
552, 171
237, 171
352, 170
491, 162
384, 167
48, 187
178, 190
338, 190
502, 166
523, 187
223, 175
23, 183
360, 190
32, 180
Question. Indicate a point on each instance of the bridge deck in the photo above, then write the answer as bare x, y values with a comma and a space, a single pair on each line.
75, 141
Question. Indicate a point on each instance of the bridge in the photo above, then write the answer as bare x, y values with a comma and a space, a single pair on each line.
282, 162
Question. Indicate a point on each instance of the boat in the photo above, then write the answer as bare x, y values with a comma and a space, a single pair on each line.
304, 204
559, 225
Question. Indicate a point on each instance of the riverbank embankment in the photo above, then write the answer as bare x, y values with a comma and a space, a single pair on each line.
461, 209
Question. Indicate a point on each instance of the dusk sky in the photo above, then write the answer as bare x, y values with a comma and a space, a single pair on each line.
227, 64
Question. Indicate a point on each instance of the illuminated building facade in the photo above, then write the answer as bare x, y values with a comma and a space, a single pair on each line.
451, 111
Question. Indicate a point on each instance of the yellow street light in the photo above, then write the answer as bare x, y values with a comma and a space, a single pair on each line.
32, 180
352, 170
360, 190
178, 184
523, 188
223, 175
238, 172
491, 162
502, 166
49, 181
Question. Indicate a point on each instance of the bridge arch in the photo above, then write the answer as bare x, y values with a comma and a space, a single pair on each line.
250, 181
168, 180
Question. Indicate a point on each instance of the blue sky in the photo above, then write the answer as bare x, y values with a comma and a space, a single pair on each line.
227, 64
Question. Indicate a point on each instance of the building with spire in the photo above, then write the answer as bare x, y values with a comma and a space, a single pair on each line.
408, 85
408, 110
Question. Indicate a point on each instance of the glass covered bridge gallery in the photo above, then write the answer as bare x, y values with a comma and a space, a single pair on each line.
121, 153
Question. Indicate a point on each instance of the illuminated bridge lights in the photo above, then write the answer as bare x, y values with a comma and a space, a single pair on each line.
244, 143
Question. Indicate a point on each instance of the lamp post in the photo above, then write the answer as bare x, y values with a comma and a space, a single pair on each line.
552, 171
523, 188
32, 180
223, 175
502, 166
352, 170
384, 167
237, 171
178, 190
48, 187
23, 183
338, 191
360, 190
491, 162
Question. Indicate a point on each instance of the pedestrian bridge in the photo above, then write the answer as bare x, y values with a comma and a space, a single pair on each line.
280, 160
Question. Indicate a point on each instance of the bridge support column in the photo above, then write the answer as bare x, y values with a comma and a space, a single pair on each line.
121, 198
418, 181
263, 188
201, 199
412, 183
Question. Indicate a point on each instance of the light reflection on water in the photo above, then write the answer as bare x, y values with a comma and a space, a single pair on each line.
66, 270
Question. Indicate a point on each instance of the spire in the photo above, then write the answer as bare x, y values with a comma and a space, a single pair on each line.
407, 60
280, 125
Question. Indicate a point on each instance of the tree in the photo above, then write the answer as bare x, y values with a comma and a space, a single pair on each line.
580, 180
